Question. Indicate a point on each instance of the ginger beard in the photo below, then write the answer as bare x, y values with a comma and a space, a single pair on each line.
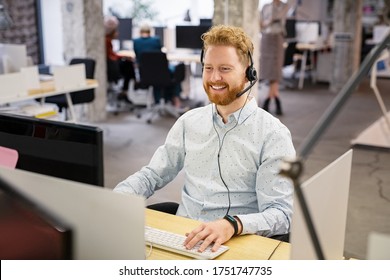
217, 94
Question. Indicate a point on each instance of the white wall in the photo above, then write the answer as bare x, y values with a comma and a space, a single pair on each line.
52, 32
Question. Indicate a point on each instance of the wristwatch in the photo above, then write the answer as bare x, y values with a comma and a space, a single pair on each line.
233, 221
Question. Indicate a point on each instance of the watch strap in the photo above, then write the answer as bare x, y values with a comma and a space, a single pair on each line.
233, 222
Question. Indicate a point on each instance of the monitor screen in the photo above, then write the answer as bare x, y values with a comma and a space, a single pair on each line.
28, 231
125, 29
60, 149
308, 31
188, 36
290, 28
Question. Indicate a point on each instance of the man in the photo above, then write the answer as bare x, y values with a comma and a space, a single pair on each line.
146, 42
230, 150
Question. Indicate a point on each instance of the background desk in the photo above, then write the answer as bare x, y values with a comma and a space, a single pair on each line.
308, 49
47, 89
245, 247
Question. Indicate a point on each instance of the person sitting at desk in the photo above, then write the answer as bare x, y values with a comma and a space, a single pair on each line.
231, 151
117, 66
148, 43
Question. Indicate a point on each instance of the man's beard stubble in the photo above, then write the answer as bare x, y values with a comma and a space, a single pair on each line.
225, 98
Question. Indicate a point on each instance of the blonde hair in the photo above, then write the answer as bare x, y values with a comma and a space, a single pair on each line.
224, 35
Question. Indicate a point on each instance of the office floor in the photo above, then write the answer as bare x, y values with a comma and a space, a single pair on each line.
130, 142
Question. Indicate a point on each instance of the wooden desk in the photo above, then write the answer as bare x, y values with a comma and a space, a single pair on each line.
245, 247
47, 89
308, 49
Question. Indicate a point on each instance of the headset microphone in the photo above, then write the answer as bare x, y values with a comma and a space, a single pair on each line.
252, 83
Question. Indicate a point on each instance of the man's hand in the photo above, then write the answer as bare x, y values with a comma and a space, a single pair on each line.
218, 231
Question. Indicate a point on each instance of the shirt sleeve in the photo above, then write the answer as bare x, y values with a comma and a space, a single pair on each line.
163, 167
274, 192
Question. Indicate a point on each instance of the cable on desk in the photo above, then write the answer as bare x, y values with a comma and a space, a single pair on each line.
270, 256
150, 251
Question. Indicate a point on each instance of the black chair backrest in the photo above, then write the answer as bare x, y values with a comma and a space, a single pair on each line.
179, 74
153, 70
84, 96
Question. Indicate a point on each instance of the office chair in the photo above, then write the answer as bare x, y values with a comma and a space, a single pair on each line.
77, 97
113, 87
154, 73
166, 207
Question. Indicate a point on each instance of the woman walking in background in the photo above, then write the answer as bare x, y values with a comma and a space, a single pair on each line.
272, 26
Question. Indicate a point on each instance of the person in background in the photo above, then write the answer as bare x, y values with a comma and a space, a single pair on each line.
148, 43
117, 65
272, 26
231, 151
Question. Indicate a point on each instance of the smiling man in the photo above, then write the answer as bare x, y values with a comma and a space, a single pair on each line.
230, 150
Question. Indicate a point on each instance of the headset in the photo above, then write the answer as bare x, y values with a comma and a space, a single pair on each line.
250, 73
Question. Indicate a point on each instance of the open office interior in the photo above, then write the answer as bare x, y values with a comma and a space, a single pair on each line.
127, 141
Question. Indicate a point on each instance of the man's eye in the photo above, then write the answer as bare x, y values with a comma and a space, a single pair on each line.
225, 69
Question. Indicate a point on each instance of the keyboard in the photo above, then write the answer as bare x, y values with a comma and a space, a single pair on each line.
174, 242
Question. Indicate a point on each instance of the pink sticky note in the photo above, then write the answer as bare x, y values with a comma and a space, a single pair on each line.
8, 157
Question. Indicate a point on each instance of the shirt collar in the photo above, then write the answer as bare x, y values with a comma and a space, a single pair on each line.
247, 110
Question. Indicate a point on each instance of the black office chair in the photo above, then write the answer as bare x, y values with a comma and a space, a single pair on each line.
154, 73
77, 97
166, 207
114, 76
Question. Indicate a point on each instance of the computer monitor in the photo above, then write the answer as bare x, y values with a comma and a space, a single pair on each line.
188, 36
290, 28
308, 31
159, 32
61, 149
326, 195
28, 230
106, 225
125, 30
12, 58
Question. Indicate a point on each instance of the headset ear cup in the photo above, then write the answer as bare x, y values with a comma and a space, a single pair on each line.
251, 74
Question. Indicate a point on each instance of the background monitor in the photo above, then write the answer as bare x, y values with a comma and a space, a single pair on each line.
159, 32
125, 30
12, 58
188, 36
290, 28
308, 31
29, 231
60, 149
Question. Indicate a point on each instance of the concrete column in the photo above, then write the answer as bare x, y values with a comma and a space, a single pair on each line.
244, 14
83, 32
347, 22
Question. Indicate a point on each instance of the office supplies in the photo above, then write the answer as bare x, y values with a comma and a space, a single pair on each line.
60, 149
106, 225
327, 198
174, 242
28, 230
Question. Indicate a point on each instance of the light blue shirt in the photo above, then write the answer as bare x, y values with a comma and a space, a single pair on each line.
251, 146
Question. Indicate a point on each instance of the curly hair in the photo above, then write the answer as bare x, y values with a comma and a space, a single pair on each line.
229, 36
